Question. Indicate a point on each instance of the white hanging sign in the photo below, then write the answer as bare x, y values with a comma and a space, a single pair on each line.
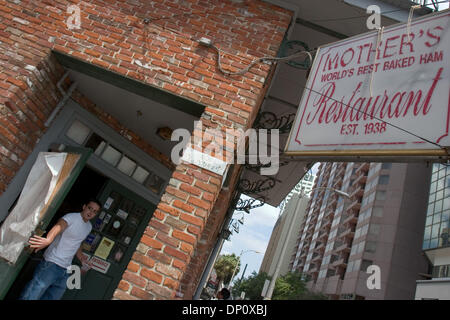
386, 100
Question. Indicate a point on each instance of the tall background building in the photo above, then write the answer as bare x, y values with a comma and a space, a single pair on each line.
295, 208
436, 244
304, 187
381, 225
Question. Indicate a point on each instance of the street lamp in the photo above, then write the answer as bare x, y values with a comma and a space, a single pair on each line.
269, 293
237, 264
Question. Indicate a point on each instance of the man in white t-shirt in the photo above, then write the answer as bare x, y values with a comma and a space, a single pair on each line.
64, 242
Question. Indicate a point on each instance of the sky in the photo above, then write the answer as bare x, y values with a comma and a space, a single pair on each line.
254, 234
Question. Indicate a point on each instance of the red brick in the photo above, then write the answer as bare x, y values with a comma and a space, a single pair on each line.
175, 223
159, 226
168, 271
215, 181
18, 83
123, 285
183, 177
208, 196
201, 213
172, 284
92, 53
199, 203
160, 291
151, 242
159, 215
134, 278
150, 232
141, 294
179, 264
206, 186
177, 193
119, 294
187, 248
194, 230
166, 208
184, 236
190, 189
191, 219
183, 206
176, 253
199, 175
146, 261
133, 267
151, 275
157, 255
101, 63
168, 240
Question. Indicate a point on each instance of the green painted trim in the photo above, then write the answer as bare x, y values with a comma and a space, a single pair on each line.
145, 90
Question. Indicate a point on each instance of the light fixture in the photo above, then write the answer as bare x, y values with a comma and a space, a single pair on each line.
164, 133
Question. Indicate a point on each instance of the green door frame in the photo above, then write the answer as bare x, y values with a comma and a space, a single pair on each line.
8, 272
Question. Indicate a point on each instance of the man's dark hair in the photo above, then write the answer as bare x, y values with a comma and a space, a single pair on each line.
94, 200
225, 293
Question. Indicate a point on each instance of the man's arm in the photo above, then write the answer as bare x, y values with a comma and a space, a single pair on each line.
80, 255
85, 262
39, 243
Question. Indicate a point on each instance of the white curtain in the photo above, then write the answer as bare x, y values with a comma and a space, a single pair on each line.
26, 215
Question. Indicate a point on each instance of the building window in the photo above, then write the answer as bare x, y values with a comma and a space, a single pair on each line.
381, 195
383, 179
377, 212
386, 165
441, 271
84, 136
374, 229
356, 265
78, 132
366, 264
371, 246
111, 155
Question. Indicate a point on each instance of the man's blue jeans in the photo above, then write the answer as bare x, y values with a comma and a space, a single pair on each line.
48, 283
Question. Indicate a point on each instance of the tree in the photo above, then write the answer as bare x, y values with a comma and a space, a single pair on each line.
252, 286
225, 266
292, 286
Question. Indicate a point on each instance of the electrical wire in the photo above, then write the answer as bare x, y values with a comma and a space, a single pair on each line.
266, 58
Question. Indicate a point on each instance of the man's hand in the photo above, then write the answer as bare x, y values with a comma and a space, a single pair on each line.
38, 243
86, 265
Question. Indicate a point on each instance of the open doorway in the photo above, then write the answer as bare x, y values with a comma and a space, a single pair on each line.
88, 185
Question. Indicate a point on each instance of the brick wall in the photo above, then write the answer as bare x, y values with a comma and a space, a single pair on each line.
164, 53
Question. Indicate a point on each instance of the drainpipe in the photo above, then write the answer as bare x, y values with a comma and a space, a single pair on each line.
66, 96
213, 257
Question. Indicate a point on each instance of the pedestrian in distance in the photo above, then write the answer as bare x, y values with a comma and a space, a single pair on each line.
224, 294
64, 242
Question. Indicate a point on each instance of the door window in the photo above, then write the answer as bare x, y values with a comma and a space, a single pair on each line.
115, 226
